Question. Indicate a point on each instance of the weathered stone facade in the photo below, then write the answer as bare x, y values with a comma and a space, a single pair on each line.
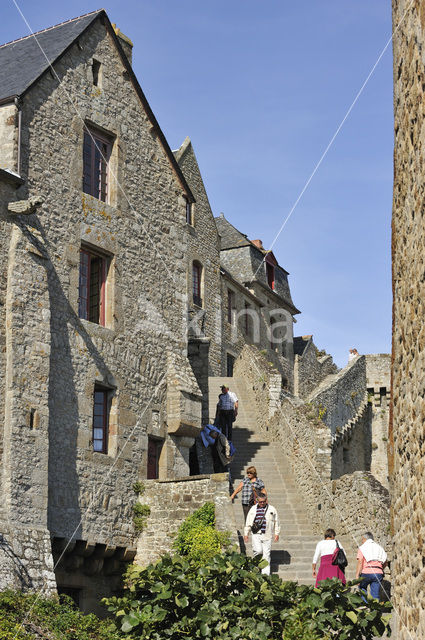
309, 367
204, 313
407, 441
51, 476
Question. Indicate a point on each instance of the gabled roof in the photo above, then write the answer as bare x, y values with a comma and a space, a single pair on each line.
230, 236
23, 61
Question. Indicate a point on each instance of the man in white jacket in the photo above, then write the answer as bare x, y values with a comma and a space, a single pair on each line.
263, 522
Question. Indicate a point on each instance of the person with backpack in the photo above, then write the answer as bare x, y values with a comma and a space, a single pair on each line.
263, 523
221, 449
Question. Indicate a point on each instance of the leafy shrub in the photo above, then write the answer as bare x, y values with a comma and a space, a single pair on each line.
28, 617
140, 515
227, 598
197, 536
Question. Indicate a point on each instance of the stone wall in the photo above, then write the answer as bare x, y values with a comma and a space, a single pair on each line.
9, 136
341, 395
354, 502
204, 248
406, 441
310, 370
378, 374
26, 560
172, 501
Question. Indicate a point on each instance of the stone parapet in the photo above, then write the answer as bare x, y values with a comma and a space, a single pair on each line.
339, 396
172, 501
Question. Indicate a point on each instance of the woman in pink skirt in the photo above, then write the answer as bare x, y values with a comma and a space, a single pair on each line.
324, 550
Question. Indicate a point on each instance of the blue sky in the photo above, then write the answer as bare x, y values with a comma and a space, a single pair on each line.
260, 86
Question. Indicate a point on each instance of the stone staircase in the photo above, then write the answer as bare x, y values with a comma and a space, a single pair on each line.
292, 556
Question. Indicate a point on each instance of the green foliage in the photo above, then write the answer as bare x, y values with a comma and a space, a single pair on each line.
227, 598
139, 488
197, 536
29, 617
140, 516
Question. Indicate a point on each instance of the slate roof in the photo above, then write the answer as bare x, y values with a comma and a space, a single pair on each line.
230, 236
23, 61
300, 343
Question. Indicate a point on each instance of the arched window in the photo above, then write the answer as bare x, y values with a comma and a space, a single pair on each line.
196, 283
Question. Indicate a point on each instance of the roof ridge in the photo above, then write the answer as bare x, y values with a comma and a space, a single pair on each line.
36, 33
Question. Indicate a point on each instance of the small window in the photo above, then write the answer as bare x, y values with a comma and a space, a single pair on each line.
92, 286
196, 283
230, 364
96, 66
272, 337
154, 451
230, 305
189, 213
100, 419
246, 319
96, 154
270, 274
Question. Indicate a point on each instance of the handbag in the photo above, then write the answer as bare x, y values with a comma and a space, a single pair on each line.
256, 526
339, 558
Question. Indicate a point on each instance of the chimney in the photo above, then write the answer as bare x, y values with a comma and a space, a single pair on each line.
125, 42
259, 244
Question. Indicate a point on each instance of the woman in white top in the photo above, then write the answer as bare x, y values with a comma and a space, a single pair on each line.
325, 550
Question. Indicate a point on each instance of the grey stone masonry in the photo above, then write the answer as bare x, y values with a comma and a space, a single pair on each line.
407, 411
204, 312
339, 396
310, 369
172, 501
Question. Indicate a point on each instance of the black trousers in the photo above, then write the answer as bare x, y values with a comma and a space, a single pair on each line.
225, 422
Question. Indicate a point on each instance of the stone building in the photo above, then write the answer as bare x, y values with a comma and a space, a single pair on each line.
407, 435
97, 387
257, 303
203, 278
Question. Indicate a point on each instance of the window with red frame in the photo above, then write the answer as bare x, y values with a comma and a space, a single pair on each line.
92, 286
270, 270
230, 305
100, 419
196, 283
96, 154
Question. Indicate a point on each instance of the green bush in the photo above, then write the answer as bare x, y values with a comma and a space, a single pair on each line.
197, 536
140, 516
29, 617
227, 598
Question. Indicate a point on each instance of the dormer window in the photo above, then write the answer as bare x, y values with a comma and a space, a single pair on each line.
270, 271
270, 275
